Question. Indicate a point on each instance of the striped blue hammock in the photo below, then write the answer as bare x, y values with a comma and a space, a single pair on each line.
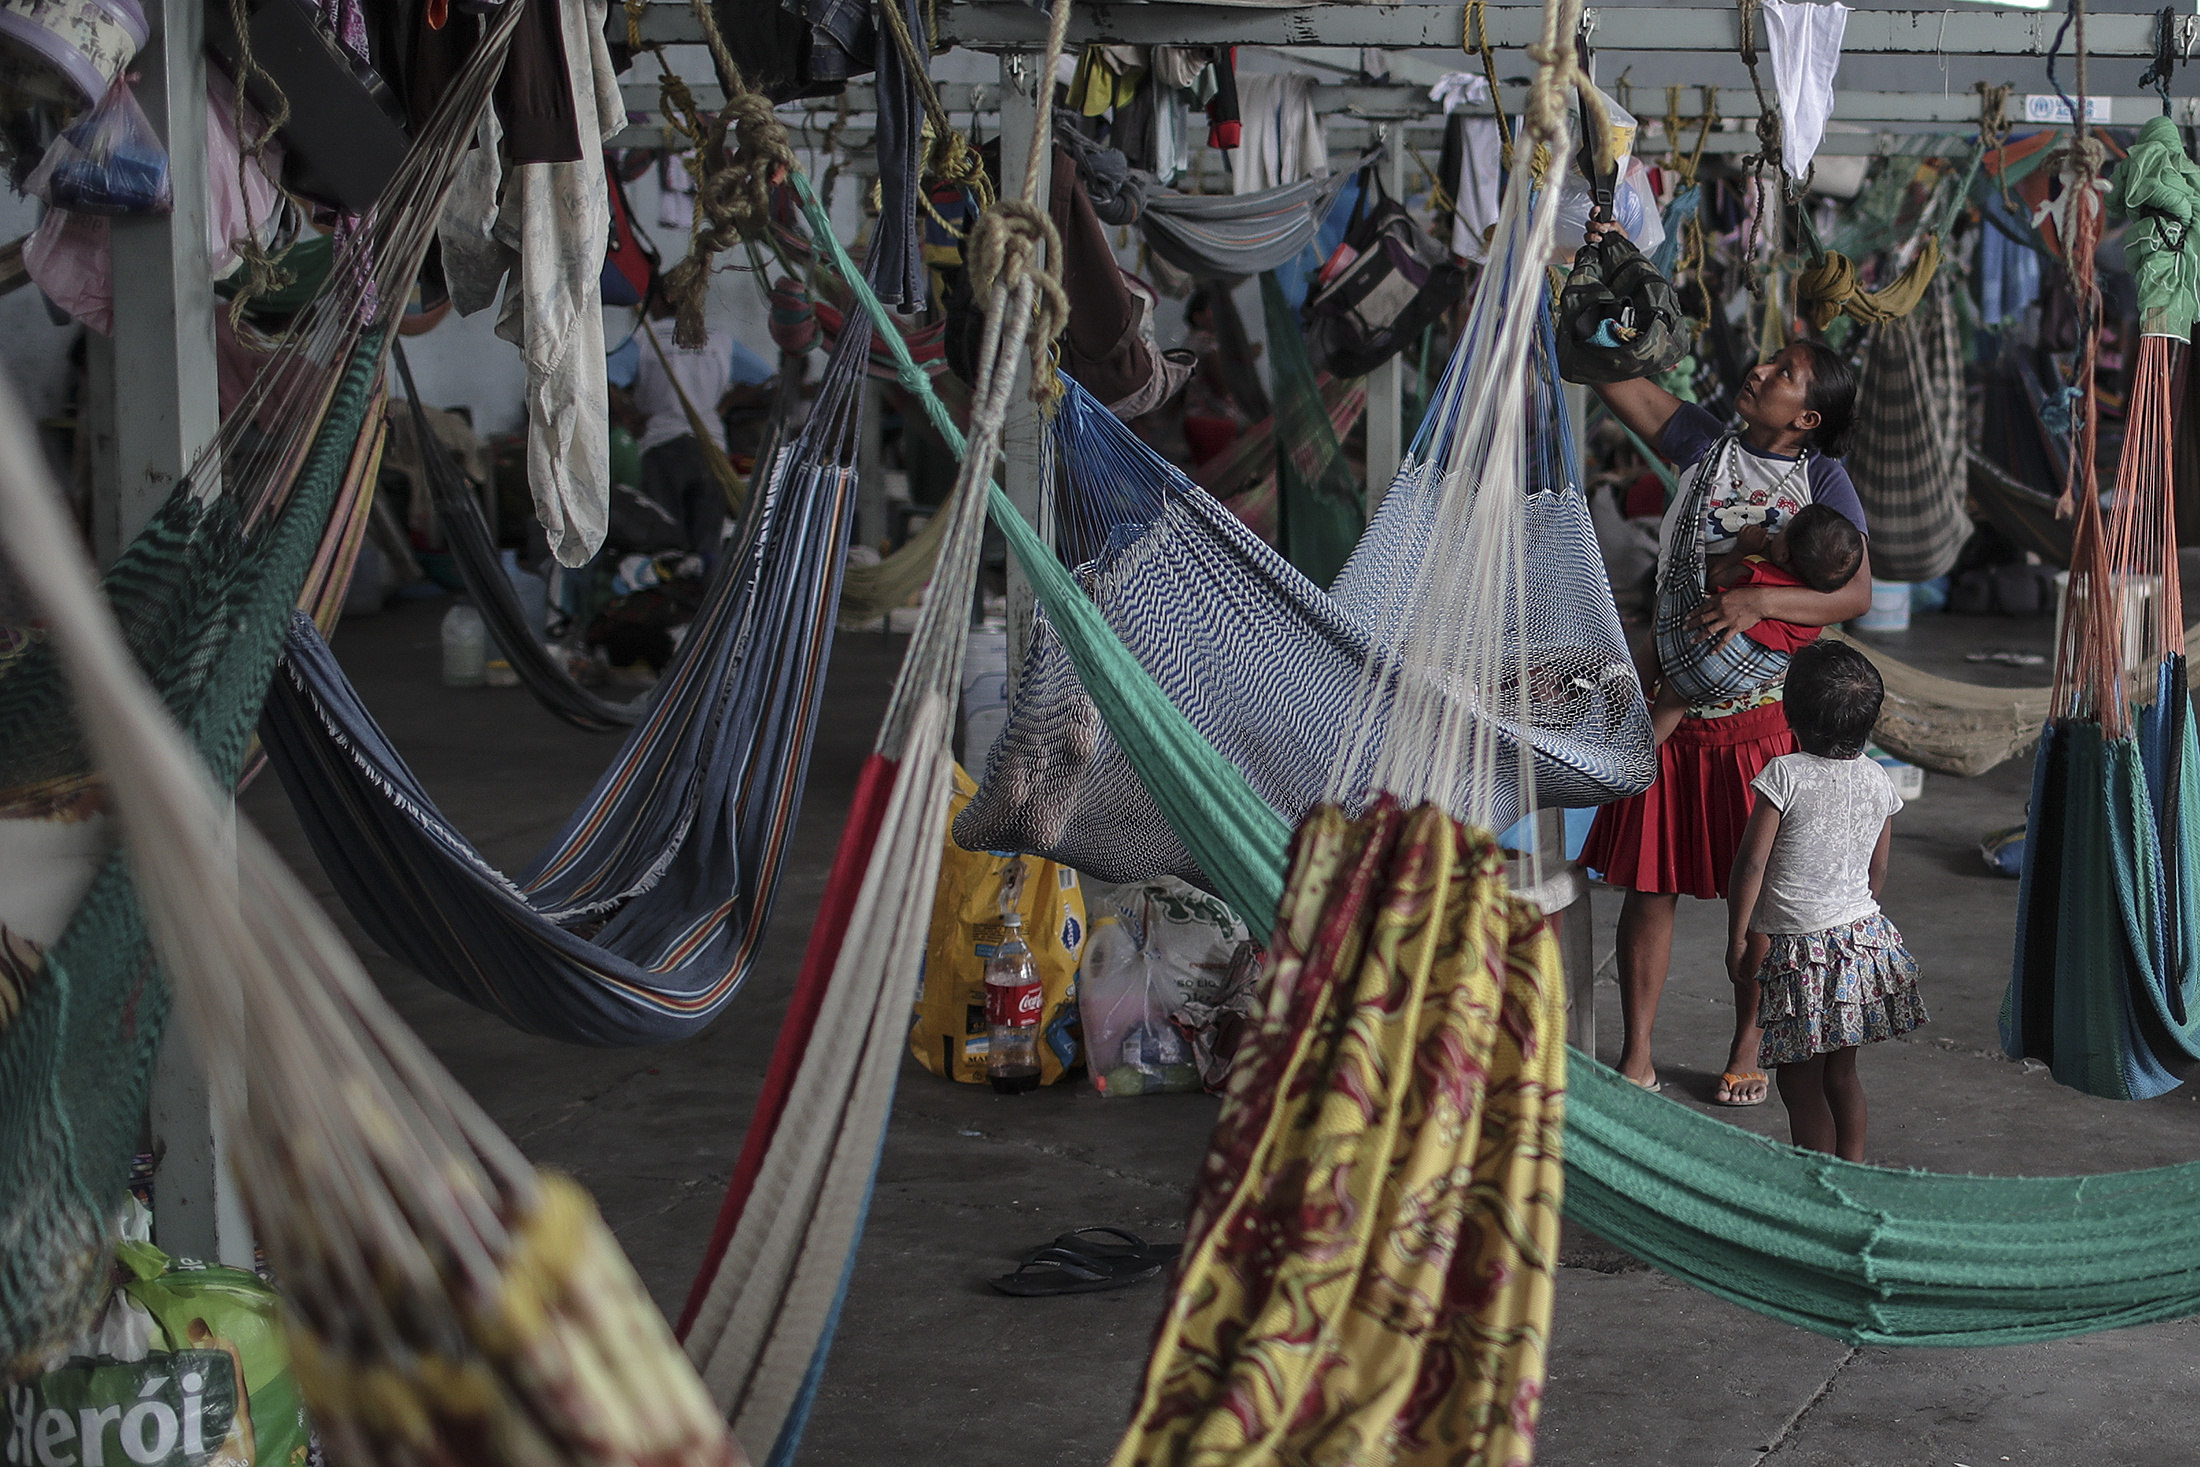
644, 915
1268, 666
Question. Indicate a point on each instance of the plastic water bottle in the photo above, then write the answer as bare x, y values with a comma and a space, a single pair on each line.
1013, 1007
465, 647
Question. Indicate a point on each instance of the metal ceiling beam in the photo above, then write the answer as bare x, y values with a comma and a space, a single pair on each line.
1349, 132
1347, 103
1378, 101
1012, 26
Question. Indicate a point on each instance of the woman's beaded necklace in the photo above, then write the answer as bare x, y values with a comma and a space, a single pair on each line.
1741, 489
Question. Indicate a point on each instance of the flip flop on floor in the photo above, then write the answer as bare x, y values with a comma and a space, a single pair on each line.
1051, 1271
1732, 1082
1654, 1085
1114, 1246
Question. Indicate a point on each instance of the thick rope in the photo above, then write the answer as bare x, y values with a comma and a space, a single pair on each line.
732, 188
1475, 40
263, 273
1768, 156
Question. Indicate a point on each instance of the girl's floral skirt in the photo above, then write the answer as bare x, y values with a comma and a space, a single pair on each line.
1837, 989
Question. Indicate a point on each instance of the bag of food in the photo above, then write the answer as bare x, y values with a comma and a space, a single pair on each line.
948, 1034
1169, 976
110, 161
185, 1367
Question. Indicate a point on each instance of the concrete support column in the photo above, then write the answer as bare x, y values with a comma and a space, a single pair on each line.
162, 384
161, 408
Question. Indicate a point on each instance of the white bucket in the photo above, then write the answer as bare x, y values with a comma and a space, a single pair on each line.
984, 696
1890, 608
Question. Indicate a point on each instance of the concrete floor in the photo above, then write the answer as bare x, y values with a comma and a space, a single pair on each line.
930, 1367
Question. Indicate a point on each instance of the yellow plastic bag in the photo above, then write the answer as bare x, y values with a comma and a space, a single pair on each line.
948, 1034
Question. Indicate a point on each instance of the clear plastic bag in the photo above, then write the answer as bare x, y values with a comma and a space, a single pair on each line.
109, 161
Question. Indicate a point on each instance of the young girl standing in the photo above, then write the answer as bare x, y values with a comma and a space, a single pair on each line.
1807, 877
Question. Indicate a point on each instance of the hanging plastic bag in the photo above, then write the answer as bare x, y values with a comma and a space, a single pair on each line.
110, 161
1162, 990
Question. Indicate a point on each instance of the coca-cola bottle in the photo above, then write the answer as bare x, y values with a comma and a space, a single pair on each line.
1013, 1005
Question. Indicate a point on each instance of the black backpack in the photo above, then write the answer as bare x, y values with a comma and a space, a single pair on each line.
1618, 318
1394, 285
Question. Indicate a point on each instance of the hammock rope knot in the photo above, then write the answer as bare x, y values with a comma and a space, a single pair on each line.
733, 188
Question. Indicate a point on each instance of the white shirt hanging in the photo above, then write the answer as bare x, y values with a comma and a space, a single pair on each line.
1805, 42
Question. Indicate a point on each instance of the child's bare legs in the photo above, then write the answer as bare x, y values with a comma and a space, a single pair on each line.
1845, 1097
1825, 1104
1666, 712
1741, 1057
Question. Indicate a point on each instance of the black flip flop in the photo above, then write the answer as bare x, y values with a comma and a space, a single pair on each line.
1127, 1248
1052, 1271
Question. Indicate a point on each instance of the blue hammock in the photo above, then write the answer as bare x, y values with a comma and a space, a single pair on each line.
2111, 852
643, 917
1266, 665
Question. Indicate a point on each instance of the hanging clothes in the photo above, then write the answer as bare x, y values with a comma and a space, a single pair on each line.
1224, 121
1472, 164
899, 249
1281, 140
1804, 38
1110, 346
537, 232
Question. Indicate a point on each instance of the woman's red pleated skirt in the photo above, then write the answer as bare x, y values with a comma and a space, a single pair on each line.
1680, 835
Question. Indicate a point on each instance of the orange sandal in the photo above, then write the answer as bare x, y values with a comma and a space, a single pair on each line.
1730, 1085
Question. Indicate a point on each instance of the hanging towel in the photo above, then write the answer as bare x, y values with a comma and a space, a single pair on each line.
1281, 141
538, 231
1805, 41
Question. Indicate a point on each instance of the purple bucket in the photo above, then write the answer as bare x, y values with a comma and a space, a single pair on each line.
68, 51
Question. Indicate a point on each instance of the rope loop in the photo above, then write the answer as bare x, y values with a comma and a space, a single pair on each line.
1010, 243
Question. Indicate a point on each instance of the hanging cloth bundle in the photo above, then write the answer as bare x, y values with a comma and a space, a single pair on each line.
2106, 983
1907, 457
2158, 192
1828, 287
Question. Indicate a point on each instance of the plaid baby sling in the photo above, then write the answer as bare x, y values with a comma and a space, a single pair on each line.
1705, 672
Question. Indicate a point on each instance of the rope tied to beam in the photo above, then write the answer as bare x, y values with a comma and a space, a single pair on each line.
1475, 40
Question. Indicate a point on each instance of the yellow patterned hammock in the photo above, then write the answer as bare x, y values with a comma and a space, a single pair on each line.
1368, 1271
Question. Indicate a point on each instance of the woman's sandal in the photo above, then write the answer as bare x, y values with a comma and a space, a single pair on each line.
1731, 1082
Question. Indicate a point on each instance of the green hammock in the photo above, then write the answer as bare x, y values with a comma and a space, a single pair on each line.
1320, 510
1866, 1254
205, 605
